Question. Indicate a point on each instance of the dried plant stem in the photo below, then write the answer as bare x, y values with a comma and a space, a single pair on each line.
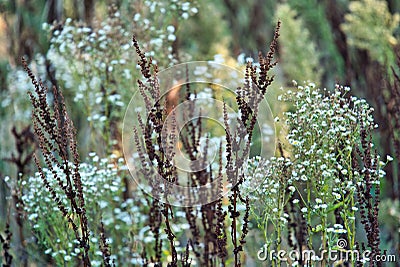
6, 242
56, 135
207, 225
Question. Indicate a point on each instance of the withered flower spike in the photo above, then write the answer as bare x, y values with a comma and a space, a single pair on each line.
56, 135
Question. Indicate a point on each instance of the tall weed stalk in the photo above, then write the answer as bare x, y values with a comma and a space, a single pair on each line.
209, 239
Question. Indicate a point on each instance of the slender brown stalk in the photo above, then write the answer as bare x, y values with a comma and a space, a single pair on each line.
6, 242
206, 223
56, 136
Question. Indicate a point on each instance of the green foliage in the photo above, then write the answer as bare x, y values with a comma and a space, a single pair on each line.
298, 54
371, 26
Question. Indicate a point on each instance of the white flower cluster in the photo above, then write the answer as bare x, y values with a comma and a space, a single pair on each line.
89, 61
102, 188
324, 132
124, 219
161, 37
267, 187
96, 63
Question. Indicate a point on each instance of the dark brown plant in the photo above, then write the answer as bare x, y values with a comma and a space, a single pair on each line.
6, 244
25, 148
56, 136
368, 192
239, 139
105, 247
393, 113
208, 235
